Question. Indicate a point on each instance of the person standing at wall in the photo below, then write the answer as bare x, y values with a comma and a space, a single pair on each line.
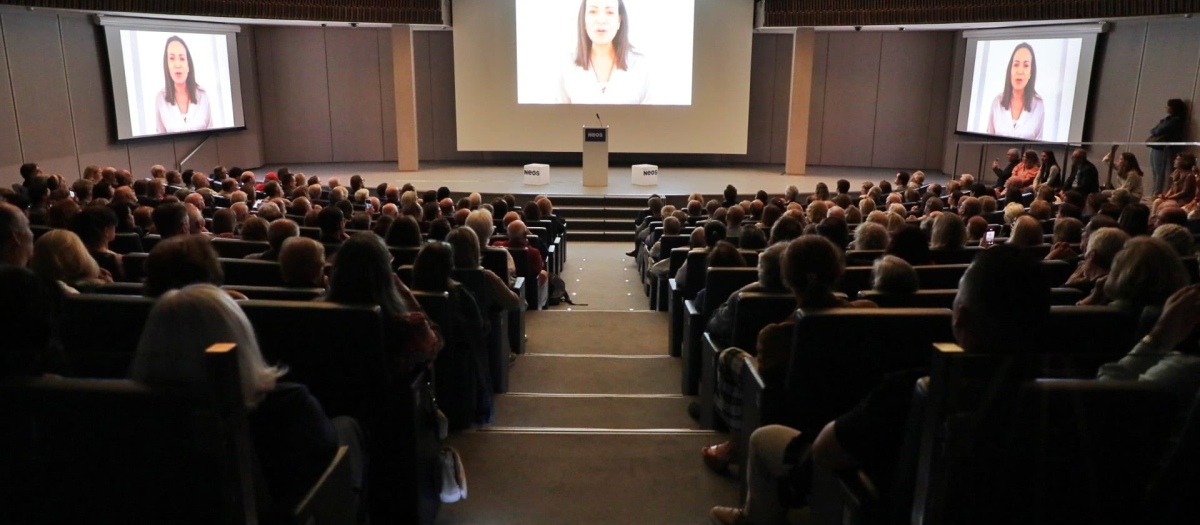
1170, 129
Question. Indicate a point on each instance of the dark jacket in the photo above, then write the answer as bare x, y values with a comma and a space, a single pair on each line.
293, 439
1169, 129
1002, 175
1087, 176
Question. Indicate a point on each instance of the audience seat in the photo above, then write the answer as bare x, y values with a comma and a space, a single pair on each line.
242, 272
947, 276
277, 293
237, 248
719, 284
100, 333
134, 265
945, 298
115, 451
125, 243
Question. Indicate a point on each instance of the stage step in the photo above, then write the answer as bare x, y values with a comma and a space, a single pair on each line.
595, 212
603, 225
601, 236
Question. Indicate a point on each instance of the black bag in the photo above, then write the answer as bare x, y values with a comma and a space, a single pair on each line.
558, 293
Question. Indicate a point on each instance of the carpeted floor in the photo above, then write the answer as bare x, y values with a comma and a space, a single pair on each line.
594, 431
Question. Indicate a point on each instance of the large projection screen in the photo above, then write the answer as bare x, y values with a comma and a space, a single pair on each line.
704, 109
1050, 67
173, 77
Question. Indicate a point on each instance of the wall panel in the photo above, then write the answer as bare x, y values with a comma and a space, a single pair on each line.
144, 154
295, 101
424, 96
935, 141
387, 85
354, 97
851, 91
90, 87
817, 106
1114, 90
906, 69
39, 84
762, 98
441, 72
10, 154
784, 48
1169, 65
244, 148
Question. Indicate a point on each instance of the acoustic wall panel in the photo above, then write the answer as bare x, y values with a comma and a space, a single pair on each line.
355, 107
89, 82
851, 91
39, 84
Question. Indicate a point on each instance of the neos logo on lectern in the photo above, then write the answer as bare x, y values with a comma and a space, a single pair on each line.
533, 173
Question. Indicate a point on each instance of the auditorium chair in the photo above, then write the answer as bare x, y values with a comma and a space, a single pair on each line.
964, 255
116, 451
342, 355
454, 370
276, 293
719, 284
676, 311
39, 230
130, 289
533, 297
237, 248
1056, 273
996, 431
150, 241
125, 243
658, 287
100, 333
752, 313
863, 257
494, 259
311, 232
498, 342
405, 256
244, 272
945, 298
858, 278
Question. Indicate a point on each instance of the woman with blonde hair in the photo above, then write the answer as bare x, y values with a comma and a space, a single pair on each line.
61, 257
293, 438
949, 232
1026, 232
1144, 273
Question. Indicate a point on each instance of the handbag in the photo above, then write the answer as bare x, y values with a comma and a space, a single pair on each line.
454, 477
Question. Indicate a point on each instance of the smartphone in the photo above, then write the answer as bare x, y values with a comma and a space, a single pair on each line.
989, 238
368, 206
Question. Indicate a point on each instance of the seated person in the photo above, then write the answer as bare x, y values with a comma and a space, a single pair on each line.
279, 231
481, 222
302, 262
171, 219
1002, 287
518, 237
812, 266
1162, 357
293, 438
1102, 248
96, 226
404, 233
1144, 273
723, 255
332, 222
29, 317
180, 261
893, 275
465, 244
720, 325
60, 257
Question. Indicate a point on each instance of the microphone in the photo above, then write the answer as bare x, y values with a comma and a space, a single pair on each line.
601, 121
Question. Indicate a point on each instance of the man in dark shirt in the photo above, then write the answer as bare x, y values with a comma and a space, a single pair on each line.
1002, 175
1084, 178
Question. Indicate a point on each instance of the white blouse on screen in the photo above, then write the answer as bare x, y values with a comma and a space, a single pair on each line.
1027, 126
171, 120
624, 86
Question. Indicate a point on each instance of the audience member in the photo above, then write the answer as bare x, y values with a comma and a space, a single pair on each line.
294, 439
1102, 247
770, 280
29, 319
255, 229
96, 226
949, 233
302, 262
909, 243
893, 275
180, 261
171, 219
60, 257
1027, 232
332, 222
1144, 273
1180, 239
277, 233
1159, 357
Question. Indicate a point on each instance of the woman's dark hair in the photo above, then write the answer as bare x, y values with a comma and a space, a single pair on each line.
439, 229
1051, 160
404, 233
362, 274
725, 255
730, 193
785, 229
752, 238
1135, 220
169, 90
532, 212
620, 42
443, 192
1188, 160
382, 225
714, 232
179, 261
1131, 163
1176, 108
89, 224
910, 244
836, 230
1014, 195
431, 270
1030, 87
812, 266
500, 207
430, 211
1032, 156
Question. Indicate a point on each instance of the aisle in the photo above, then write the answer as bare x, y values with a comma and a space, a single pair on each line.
593, 431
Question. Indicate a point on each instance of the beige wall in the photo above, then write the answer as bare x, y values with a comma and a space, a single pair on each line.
1139, 65
55, 108
327, 94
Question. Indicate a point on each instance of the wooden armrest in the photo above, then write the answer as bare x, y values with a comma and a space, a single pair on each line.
331, 499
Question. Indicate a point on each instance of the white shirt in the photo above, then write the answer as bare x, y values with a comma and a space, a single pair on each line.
1027, 126
624, 86
171, 120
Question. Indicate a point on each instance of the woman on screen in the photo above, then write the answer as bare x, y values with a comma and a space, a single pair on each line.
182, 105
1019, 112
604, 69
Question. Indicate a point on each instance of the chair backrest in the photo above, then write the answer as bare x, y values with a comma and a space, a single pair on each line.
134, 265
670, 242
100, 333
678, 256
494, 259
1077, 451
89, 451
133, 289
1056, 272
697, 263
237, 248
945, 298
150, 241
242, 272
311, 232
125, 243
960, 256
277, 293
1090, 330
932, 277
839, 355
753, 311
403, 256
863, 257
720, 283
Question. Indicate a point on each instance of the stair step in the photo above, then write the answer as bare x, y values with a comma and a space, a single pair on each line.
601, 236
616, 225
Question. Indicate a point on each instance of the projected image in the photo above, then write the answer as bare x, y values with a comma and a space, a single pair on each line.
1024, 89
605, 52
176, 82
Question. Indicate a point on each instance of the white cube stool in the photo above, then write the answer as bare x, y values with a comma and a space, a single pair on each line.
537, 174
645, 175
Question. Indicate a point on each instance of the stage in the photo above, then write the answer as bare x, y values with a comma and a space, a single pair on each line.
567, 180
